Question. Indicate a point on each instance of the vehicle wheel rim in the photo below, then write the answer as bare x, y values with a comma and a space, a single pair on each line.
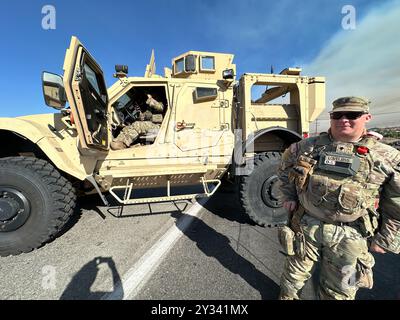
269, 192
14, 209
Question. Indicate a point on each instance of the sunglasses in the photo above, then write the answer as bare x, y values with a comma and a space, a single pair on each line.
347, 115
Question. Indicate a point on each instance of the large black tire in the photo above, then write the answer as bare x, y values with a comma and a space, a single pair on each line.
258, 191
35, 203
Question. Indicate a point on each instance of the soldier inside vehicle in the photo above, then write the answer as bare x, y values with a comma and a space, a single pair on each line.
137, 116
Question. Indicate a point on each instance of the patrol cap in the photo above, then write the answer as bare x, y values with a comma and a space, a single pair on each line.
355, 104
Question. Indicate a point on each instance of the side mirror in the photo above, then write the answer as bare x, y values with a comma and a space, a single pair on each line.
228, 74
53, 90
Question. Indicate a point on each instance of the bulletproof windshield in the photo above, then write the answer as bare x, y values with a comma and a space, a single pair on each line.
122, 102
91, 76
94, 97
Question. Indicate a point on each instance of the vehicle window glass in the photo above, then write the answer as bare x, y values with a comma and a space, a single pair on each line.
207, 63
179, 66
122, 102
202, 93
91, 76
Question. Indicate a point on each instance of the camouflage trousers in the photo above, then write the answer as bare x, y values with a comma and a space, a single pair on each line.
131, 133
346, 264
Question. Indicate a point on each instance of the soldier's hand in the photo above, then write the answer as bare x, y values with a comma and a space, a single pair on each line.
290, 205
375, 248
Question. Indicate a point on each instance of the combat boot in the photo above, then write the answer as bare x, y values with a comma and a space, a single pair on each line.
284, 297
287, 296
117, 145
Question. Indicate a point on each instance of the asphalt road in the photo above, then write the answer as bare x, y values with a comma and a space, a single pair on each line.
225, 256
69, 267
220, 255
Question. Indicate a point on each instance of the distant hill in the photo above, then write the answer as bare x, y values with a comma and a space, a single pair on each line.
392, 132
391, 136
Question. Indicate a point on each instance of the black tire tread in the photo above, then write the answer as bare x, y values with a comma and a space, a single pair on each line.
64, 198
244, 185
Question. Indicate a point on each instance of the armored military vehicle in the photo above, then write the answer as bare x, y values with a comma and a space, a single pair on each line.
213, 127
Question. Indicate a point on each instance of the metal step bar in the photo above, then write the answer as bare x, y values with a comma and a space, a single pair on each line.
129, 186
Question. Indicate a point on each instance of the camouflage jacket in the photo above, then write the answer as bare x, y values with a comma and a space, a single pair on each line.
148, 115
369, 191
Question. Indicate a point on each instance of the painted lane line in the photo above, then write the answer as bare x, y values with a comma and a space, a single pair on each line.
137, 276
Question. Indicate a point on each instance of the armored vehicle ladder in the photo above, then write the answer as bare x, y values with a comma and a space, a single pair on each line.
128, 188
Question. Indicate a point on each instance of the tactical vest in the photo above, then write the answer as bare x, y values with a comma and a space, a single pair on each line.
336, 181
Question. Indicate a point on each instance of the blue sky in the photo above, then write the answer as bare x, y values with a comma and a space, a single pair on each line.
260, 34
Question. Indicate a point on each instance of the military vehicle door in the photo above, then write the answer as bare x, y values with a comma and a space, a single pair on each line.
203, 111
87, 96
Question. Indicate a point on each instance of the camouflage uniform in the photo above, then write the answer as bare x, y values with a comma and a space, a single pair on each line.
148, 123
130, 134
342, 204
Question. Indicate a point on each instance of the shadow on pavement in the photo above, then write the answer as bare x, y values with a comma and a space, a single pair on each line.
91, 202
118, 211
225, 204
80, 286
215, 244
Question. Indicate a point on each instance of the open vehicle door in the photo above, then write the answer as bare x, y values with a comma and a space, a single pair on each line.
87, 95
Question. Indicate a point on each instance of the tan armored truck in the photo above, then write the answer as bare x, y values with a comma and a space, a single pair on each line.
211, 128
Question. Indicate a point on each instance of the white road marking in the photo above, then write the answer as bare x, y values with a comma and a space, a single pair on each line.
137, 276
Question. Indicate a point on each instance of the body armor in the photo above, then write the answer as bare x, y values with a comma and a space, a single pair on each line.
333, 180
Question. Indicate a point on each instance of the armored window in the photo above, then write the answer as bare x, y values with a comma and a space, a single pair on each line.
179, 65
202, 93
93, 79
122, 102
91, 76
190, 63
207, 63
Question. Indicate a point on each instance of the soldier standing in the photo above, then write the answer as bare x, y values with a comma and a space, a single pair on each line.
342, 191
147, 122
